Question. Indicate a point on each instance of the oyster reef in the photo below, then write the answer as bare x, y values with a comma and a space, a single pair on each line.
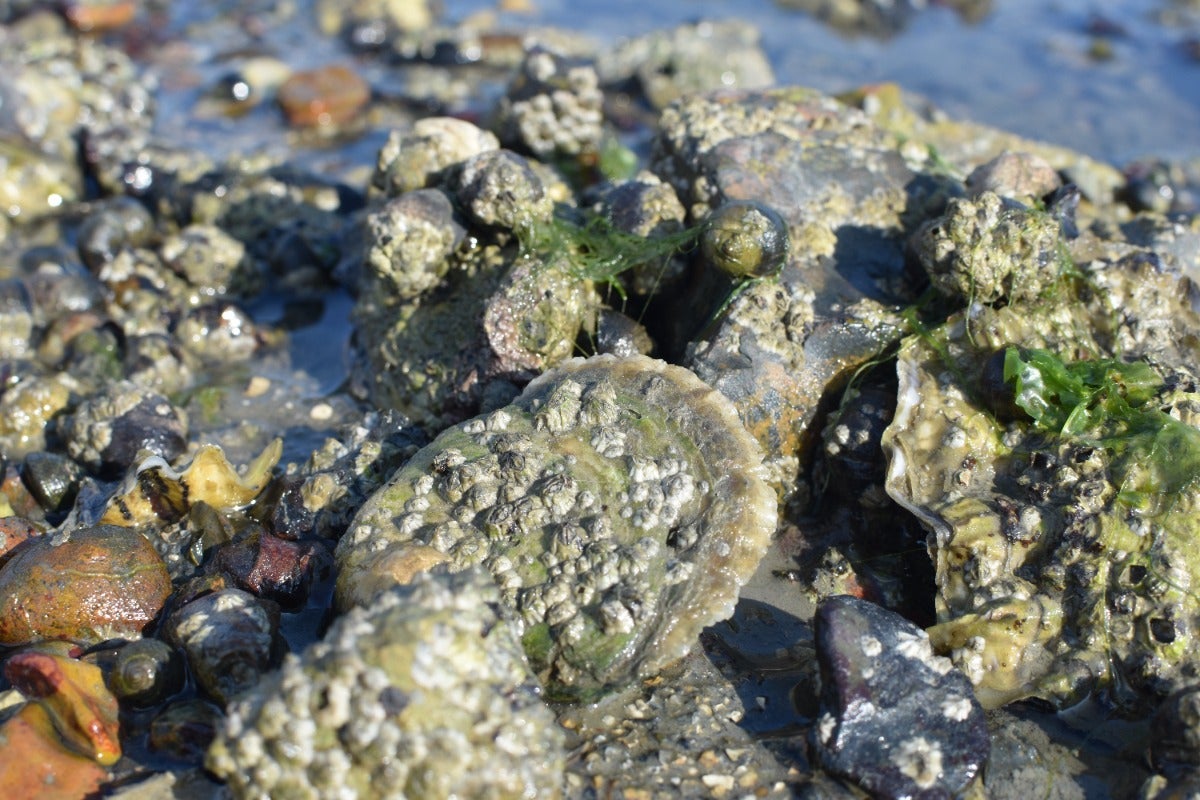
398, 400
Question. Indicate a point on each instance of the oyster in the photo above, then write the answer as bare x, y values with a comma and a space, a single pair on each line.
618, 503
1064, 524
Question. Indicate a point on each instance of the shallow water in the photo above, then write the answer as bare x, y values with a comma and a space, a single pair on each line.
1025, 67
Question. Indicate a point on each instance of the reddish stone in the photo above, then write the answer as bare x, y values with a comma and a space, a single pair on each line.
103, 583
13, 531
277, 569
99, 15
34, 764
327, 96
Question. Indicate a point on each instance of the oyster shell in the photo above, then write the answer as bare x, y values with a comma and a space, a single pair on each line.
1065, 561
618, 503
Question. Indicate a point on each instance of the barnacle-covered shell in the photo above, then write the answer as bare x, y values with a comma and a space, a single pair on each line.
618, 503
1049, 585
989, 248
425, 694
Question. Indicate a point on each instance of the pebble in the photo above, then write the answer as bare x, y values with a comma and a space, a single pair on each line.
895, 719
98, 583
323, 97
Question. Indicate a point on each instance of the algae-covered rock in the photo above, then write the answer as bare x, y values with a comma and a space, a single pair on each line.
618, 503
425, 693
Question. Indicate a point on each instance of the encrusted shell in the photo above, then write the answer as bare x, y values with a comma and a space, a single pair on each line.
1048, 584
618, 503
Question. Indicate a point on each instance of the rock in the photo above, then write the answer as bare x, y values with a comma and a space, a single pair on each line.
52, 479
409, 241
210, 260
27, 408
498, 188
184, 729
424, 692
618, 503
231, 639
323, 97
552, 108
776, 347
280, 570
110, 430
72, 693
33, 763
991, 249
422, 157
896, 719
13, 531
90, 585
1023, 177
689, 60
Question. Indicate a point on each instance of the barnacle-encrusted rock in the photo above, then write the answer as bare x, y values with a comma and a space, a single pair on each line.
108, 431
424, 694
618, 503
990, 248
211, 260
408, 243
553, 107
1065, 556
490, 327
499, 188
420, 157
27, 408
689, 60
647, 207
847, 198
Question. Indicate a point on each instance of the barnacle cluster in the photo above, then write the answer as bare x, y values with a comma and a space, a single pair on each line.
423, 694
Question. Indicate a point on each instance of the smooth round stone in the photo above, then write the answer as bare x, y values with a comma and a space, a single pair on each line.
327, 96
100, 583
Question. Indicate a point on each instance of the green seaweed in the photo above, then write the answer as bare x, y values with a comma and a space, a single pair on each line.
590, 247
1110, 404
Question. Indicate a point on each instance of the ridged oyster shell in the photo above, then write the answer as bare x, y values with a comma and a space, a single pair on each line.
618, 503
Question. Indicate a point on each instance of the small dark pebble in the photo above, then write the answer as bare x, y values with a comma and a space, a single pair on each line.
275, 568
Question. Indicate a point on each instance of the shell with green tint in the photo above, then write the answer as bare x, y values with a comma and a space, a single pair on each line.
618, 503
1064, 535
